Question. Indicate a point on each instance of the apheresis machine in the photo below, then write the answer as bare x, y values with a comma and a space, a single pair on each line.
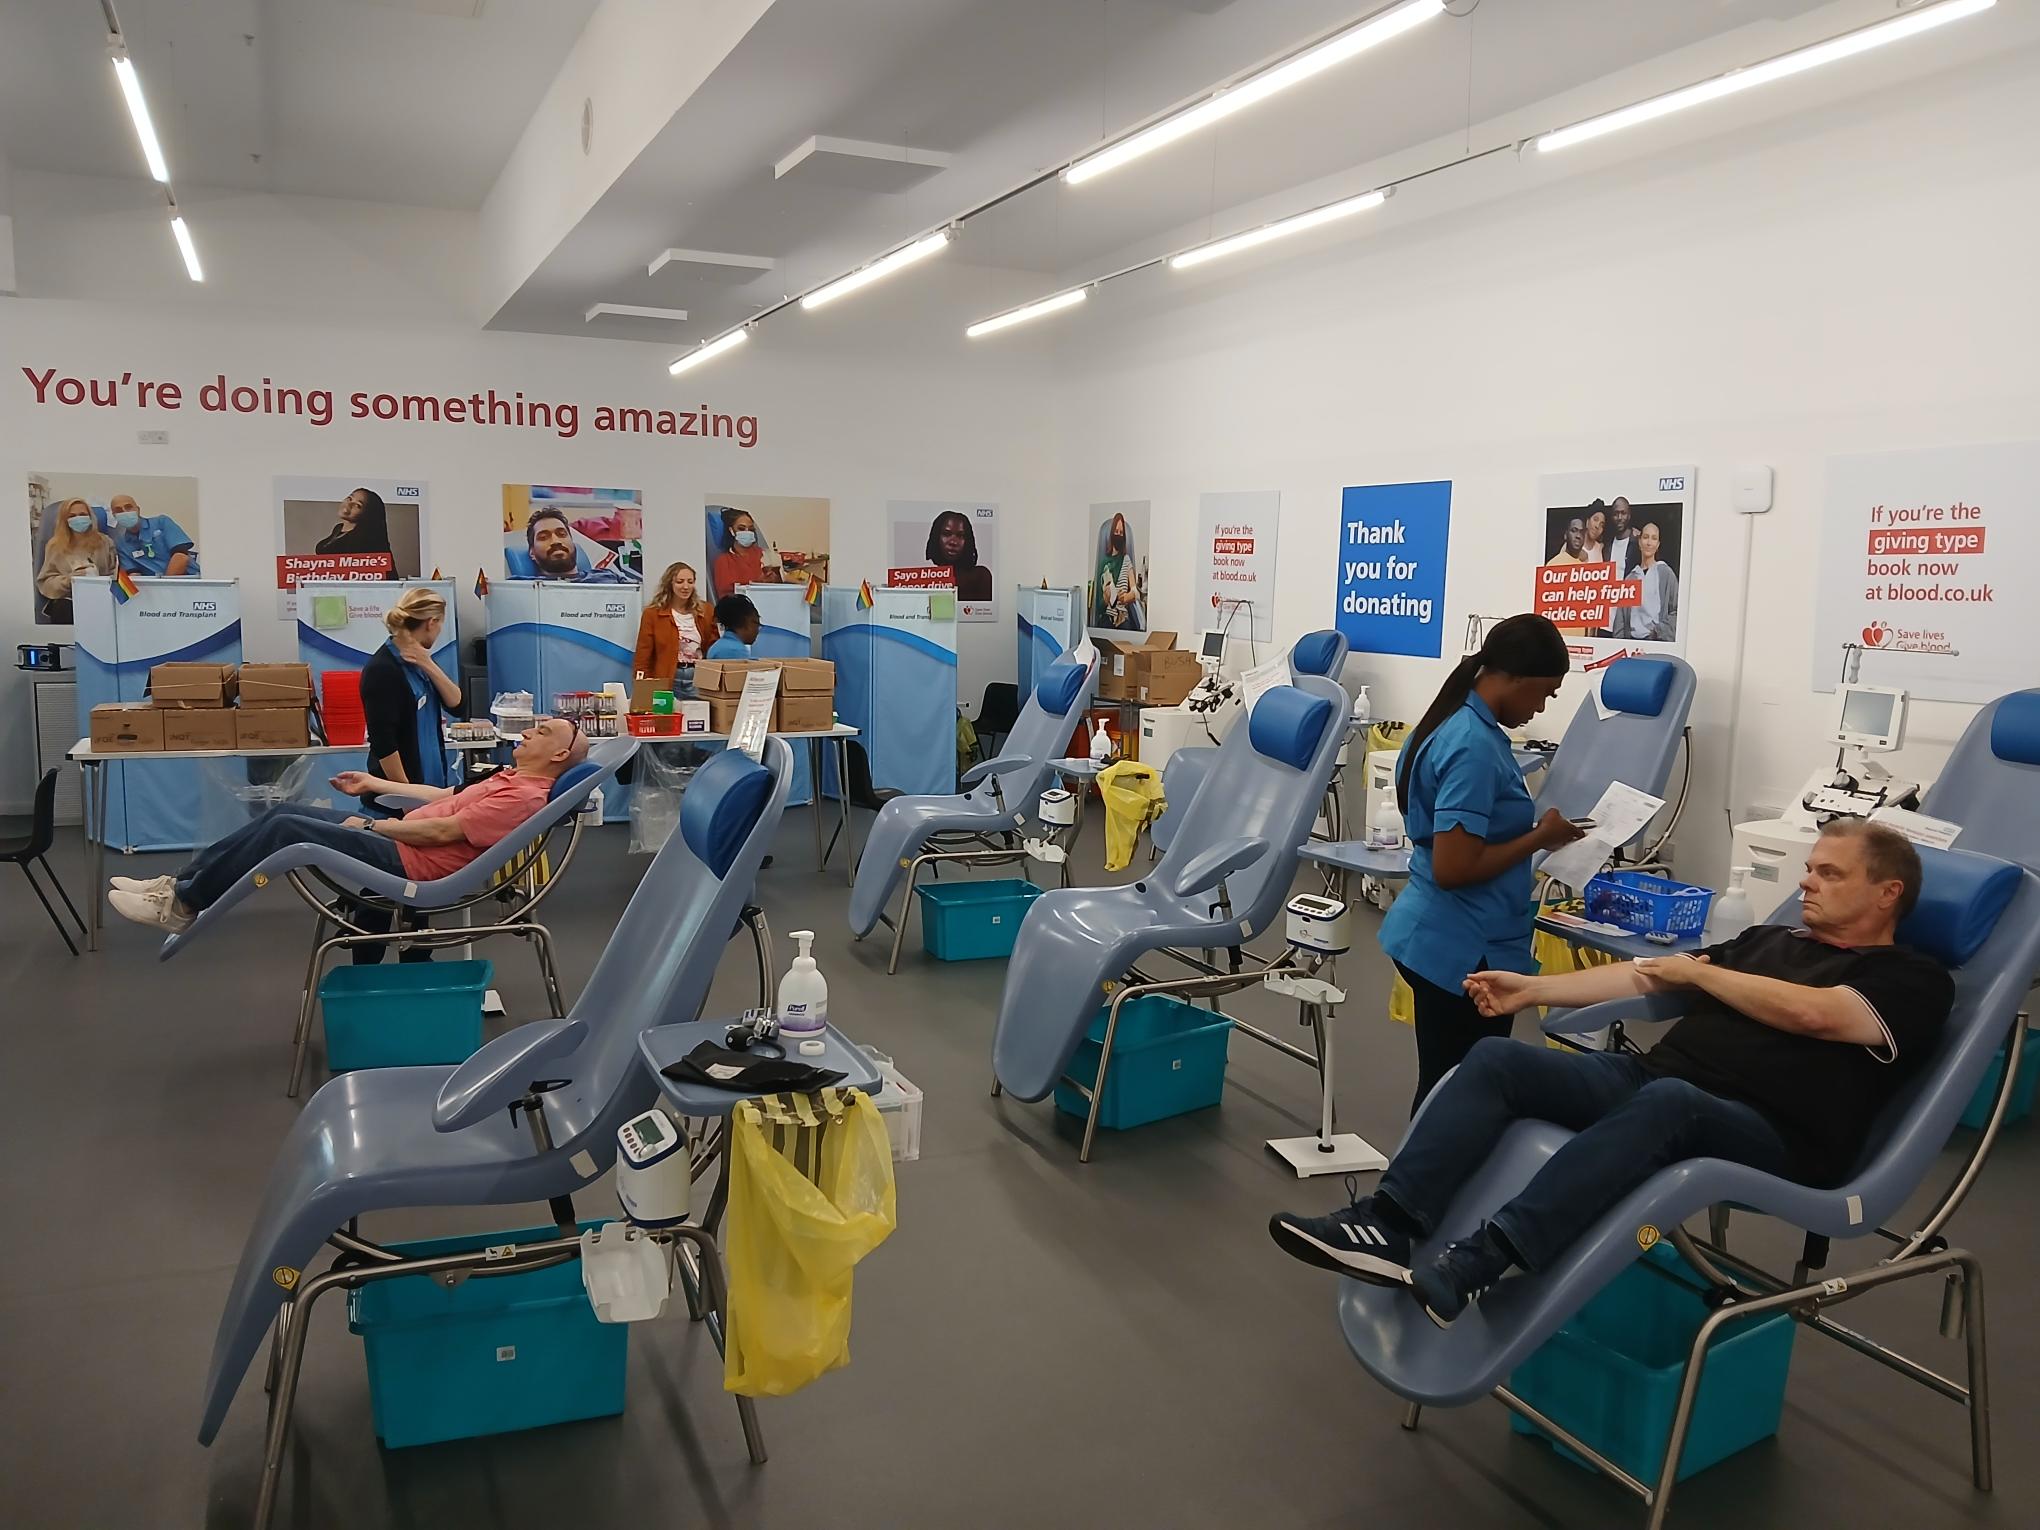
1869, 720
1205, 716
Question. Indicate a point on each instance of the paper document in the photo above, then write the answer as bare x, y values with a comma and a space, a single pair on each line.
754, 713
1918, 827
1618, 817
1262, 678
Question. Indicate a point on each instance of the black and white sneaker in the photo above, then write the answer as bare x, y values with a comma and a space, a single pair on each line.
1356, 1242
1458, 1276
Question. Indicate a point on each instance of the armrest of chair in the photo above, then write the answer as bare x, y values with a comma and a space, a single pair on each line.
994, 767
502, 1071
1630, 1010
394, 804
1208, 868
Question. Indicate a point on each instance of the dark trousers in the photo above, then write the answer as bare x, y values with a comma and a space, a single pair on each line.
1448, 1024
1629, 1125
208, 874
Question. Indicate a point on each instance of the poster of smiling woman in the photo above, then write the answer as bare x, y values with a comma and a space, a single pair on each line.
103, 524
589, 536
358, 529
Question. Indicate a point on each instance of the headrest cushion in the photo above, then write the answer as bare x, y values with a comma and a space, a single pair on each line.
1961, 895
1637, 686
569, 781
2015, 730
1058, 686
1318, 653
1287, 725
721, 805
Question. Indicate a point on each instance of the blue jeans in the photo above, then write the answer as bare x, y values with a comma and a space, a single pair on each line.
1628, 1125
208, 874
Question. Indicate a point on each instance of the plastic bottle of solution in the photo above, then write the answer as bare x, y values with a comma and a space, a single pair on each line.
804, 997
1729, 915
1101, 744
1363, 709
1387, 833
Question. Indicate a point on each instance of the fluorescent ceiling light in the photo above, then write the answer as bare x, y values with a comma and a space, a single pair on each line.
1282, 229
1848, 45
186, 248
701, 353
131, 87
885, 265
1021, 315
1224, 102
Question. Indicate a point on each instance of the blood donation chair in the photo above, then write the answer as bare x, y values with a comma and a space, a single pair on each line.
1991, 784
516, 873
1979, 915
981, 825
1315, 653
1225, 879
1648, 701
389, 1138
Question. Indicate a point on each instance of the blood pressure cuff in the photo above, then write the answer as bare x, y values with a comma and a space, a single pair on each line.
749, 1073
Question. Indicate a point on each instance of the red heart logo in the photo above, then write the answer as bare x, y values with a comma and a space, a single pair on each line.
1874, 635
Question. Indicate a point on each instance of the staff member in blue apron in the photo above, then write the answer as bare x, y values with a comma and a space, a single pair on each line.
149, 544
406, 697
1470, 819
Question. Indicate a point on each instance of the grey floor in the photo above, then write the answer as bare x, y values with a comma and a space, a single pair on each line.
1040, 1342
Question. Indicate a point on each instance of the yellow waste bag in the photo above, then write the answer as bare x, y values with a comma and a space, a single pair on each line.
1132, 793
811, 1193
1556, 954
1402, 1002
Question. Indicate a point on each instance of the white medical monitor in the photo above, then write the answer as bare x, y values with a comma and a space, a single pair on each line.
1869, 717
1212, 645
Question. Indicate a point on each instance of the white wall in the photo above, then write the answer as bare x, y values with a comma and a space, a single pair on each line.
860, 422
1852, 278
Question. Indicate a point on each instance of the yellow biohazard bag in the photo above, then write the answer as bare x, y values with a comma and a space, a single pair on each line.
1555, 954
811, 1193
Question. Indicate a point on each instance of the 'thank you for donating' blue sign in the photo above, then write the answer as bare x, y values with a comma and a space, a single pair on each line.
1392, 567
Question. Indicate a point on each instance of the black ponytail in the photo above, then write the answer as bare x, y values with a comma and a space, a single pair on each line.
1522, 647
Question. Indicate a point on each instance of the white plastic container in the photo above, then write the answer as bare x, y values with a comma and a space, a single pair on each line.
1730, 914
1385, 828
803, 994
1101, 744
1363, 709
900, 1103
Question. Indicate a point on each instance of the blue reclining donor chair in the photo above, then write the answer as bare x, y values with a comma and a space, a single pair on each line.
981, 826
1315, 653
1979, 915
1991, 783
517, 872
1637, 743
391, 1138
1225, 879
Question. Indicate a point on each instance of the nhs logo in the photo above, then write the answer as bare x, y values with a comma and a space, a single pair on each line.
1674, 485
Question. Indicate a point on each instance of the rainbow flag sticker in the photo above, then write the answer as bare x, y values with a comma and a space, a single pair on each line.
864, 597
814, 590
481, 583
124, 587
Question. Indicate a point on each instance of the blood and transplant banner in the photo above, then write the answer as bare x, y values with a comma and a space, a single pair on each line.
1615, 547
1921, 564
1235, 567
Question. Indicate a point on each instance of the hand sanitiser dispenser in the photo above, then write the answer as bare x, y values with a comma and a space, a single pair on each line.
804, 997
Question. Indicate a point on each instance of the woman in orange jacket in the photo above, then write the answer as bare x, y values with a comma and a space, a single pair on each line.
674, 631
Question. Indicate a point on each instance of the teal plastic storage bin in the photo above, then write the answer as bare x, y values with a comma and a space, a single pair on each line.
401, 1014
2021, 1105
494, 1354
967, 921
1611, 1375
1168, 1058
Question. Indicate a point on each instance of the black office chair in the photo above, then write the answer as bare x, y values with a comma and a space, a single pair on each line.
34, 845
862, 793
996, 715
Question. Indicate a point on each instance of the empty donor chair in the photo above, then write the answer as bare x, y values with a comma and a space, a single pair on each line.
1991, 783
1315, 653
1980, 916
1637, 743
981, 824
391, 1138
1224, 880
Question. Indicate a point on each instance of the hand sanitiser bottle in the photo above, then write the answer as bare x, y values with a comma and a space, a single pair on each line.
1363, 709
1101, 744
1730, 914
804, 997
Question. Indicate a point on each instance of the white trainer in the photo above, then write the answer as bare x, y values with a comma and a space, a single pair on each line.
141, 884
158, 906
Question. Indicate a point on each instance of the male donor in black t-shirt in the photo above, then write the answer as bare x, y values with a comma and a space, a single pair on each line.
1794, 1040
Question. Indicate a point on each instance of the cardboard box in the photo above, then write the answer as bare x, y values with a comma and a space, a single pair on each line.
1119, 663
804, 712
127, 727
276, 685
271, 727
1168, 676
192, 685
722, 713
200, 728
724, 677
645, 689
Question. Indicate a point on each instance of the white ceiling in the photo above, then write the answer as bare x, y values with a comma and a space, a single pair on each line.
420, 102
367, 100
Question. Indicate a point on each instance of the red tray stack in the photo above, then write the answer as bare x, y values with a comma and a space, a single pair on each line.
340, 705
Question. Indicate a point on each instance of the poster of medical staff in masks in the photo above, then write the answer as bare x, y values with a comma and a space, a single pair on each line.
586, 535
1613, 553
357, 529
97, 524
764, 539
957, 542
1118, 571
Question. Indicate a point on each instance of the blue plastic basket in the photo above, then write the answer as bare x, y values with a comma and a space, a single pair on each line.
967, 921
492, 1355
1977, 1116
1612, 1374
1647, 905
1168, 1058
402, 1014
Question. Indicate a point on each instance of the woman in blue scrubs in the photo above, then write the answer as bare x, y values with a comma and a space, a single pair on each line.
1470, 819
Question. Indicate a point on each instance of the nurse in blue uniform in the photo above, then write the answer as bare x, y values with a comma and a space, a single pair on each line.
1473, 828
149, 544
